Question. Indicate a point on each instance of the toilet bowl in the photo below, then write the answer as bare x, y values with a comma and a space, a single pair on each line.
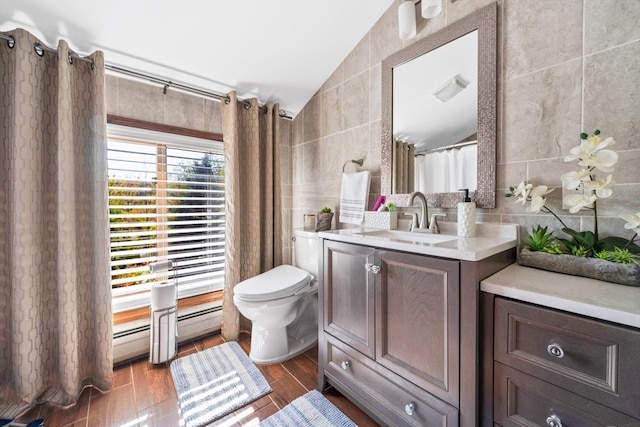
282, 304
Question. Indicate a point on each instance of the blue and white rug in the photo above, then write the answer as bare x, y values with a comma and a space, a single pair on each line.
215, 382
311, 409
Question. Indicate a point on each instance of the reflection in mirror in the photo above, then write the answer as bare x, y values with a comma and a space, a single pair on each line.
435, 119
439, 114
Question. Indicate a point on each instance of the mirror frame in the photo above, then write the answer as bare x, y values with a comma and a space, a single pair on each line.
484, 21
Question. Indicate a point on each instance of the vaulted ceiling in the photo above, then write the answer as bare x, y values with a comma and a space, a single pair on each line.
276, 50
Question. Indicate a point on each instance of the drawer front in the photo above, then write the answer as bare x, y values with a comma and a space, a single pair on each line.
392, 403
596, 360
523, 400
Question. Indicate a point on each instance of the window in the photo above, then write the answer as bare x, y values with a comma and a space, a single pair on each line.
166, 203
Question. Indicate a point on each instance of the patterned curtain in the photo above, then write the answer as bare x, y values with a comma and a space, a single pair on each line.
253, 198
55, 292
402, 167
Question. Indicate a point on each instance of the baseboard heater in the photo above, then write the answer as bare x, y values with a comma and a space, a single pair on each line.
134, 342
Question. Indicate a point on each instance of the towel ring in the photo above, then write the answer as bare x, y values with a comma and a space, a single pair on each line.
357, 162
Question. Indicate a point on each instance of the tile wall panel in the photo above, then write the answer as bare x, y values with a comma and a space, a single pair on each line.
563, 67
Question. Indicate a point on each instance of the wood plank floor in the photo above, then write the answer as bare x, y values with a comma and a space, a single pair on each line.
143, 395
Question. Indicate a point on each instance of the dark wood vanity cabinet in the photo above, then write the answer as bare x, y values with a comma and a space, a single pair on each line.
418, 321
552, 368
349, 296
391, 337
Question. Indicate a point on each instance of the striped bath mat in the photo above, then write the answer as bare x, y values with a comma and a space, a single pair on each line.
311, 409
215, 382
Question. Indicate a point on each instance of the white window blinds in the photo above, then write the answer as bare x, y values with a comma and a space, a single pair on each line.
166, 202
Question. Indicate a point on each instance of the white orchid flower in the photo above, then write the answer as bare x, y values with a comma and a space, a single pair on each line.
590, 149
573, 180
522, 191
602, 187
578, 201
598, 144
540, 190
603, 160
537, 201
633, 222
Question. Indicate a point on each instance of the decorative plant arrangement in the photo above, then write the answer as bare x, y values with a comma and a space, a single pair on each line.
592, 156
324, 218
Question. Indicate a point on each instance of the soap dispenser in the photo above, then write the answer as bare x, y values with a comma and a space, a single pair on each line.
466, 216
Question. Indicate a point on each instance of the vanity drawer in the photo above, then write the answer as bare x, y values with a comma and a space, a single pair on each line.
594, 359
528, 401
383, 393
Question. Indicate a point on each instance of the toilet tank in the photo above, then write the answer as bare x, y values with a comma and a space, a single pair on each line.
307, 250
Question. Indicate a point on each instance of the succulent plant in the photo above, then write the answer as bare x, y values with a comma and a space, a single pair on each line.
621, 256
539, 238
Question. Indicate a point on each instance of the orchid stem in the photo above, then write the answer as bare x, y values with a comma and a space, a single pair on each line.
557, 217
631, 240
595, 219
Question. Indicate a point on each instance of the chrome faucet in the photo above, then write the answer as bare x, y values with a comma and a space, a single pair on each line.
434, 228
424, 210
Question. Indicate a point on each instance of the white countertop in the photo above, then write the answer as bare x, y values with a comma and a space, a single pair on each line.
492, 238
580, 295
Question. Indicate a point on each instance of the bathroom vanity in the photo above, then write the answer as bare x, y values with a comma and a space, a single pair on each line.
559, 350
399, 320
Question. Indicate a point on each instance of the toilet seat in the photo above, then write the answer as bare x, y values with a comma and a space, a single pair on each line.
279, 282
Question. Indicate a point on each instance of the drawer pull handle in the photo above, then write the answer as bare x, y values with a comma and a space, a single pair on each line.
555, 350
346, 365
554, 421
375, 269
409, 408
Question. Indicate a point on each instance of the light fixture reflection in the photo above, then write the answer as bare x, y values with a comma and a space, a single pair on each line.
450, 88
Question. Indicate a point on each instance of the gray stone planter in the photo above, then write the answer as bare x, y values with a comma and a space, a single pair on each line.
324, 221
595, 268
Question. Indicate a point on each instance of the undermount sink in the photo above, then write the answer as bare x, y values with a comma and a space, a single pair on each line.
407, 236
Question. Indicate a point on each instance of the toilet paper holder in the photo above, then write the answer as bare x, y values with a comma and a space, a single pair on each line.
163, 332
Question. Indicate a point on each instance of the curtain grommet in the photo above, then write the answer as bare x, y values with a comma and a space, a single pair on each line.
37, 48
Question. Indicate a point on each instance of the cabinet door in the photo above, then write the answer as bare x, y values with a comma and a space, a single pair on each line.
348, 293
418, 320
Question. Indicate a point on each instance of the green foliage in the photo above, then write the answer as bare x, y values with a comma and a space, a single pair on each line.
582, 243
135, 205
326, 209
553, 248
621, 256
584, 135
611, 243
539, 238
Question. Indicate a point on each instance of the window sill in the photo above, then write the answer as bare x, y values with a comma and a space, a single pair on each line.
142, 313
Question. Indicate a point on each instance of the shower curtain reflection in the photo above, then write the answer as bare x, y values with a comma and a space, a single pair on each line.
447, 170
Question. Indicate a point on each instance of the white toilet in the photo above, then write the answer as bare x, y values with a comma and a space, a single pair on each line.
282, 304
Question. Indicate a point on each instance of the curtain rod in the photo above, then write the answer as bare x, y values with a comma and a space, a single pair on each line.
41, 49
448, 147
186, 88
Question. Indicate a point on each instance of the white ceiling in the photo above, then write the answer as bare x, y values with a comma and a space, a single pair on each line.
276, 50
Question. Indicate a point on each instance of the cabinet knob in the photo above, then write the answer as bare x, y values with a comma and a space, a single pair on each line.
555, 350
375, 269
346, 365
410, 408
554, 421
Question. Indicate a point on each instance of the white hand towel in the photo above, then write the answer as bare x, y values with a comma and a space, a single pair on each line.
353, 197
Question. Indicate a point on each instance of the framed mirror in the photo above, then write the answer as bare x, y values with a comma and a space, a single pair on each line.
439, 115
